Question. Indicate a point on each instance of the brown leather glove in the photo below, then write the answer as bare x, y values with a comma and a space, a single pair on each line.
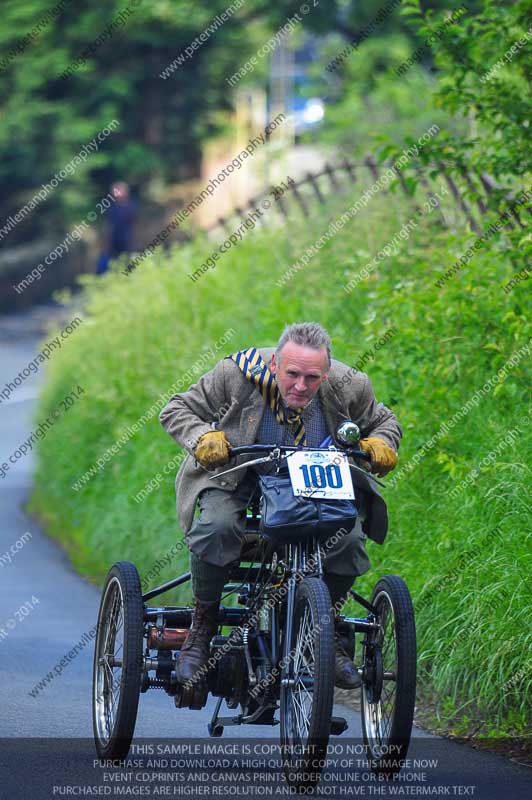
212, 450
383, 458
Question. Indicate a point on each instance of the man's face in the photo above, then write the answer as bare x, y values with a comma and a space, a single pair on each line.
300, 373
121, 191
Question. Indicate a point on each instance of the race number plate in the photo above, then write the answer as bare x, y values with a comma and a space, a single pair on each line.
316, 473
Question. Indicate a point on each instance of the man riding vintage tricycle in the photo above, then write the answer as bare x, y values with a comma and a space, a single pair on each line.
284, 530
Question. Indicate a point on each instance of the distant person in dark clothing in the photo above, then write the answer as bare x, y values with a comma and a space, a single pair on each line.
121, 215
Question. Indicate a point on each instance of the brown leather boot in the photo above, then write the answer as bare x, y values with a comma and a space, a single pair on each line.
346, 675
194, 653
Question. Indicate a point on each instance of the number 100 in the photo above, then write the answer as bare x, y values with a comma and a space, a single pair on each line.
318, 477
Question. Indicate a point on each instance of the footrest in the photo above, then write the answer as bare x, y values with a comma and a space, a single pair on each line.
338, 726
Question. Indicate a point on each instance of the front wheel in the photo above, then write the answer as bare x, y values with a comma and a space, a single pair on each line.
117, 662
389, 677
307, 685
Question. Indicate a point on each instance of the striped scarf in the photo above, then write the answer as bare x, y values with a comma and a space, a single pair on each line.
254, 368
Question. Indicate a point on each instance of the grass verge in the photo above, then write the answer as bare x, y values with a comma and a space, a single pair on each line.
465, 555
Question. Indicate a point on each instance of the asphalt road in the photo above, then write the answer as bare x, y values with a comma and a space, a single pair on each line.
46, 608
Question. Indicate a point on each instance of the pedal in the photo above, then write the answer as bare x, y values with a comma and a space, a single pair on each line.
215, 730
267, 717
338, 726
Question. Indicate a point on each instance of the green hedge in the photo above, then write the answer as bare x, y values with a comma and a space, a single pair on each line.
466, 556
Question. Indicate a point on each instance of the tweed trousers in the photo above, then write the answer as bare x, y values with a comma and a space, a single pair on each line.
216, 534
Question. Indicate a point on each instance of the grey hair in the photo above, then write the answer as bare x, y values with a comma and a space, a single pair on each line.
305, 334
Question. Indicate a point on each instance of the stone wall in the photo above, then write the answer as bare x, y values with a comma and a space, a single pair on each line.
25, 279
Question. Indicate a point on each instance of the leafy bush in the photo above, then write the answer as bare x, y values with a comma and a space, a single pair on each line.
465, 556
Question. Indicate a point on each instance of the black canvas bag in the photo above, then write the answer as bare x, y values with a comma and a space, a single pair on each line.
288, 518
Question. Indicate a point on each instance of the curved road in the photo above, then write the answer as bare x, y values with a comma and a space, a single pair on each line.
46, 609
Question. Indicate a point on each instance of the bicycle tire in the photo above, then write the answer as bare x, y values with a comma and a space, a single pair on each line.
306, 718
387, 713
115, 702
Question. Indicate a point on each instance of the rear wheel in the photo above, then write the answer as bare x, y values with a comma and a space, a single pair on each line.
307, 685
117, 662
389, 680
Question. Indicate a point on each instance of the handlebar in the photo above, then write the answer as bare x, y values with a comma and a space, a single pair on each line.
249, 449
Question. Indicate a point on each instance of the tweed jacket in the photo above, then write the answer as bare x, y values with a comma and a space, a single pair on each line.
224, 399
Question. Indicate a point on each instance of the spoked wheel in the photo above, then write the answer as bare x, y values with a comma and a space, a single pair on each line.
307, 685
117, 662
389, 680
